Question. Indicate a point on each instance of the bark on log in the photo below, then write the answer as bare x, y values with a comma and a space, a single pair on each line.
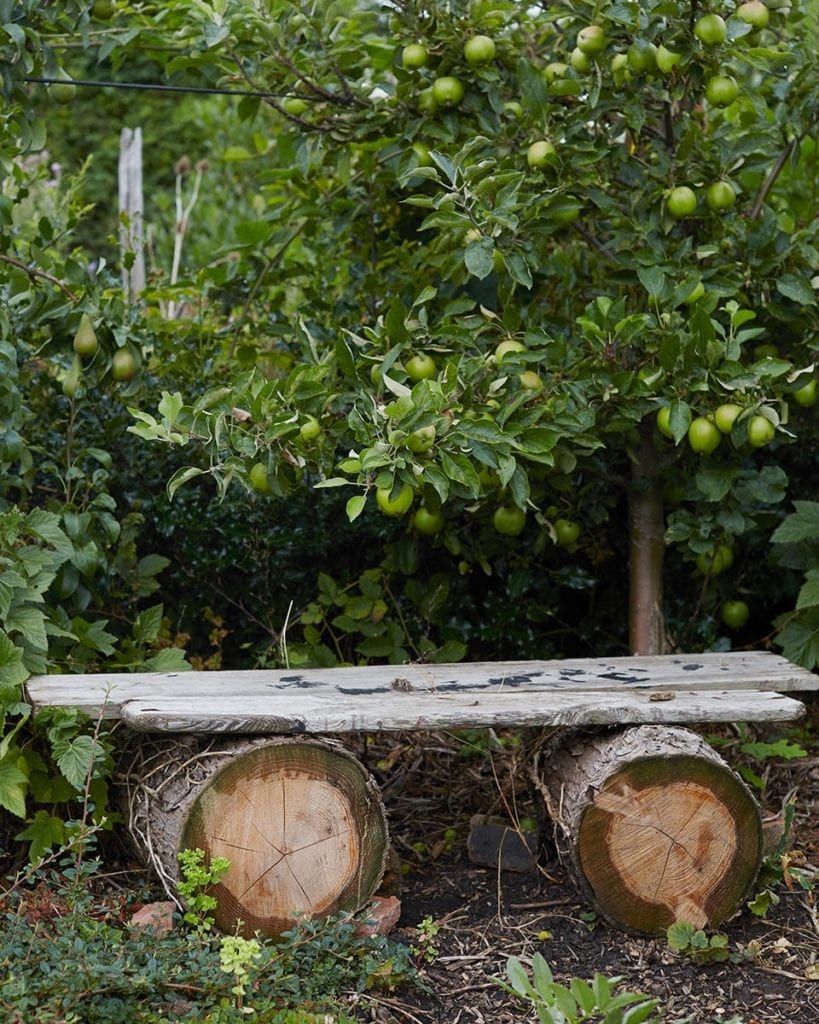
652, 824
300, 820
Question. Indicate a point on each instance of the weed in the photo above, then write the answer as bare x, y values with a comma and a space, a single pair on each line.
427, 930
197, 878
684, 938
580, 1001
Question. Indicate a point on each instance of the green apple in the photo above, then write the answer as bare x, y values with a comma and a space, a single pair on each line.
711, 30
507, 346
394, 506
725, 416
447, 91
479, 50
541, 154
667, 59
721, 90
555, 71
754, 13
807, 394
421, 367
426, 522
591, 40
720, 196
681, 202
642, 56
581, 62
415, 55
509, 520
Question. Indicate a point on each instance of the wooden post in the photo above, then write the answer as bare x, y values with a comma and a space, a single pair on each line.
131, 238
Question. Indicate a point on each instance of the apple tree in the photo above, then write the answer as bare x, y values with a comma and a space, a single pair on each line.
514, 279
528, 267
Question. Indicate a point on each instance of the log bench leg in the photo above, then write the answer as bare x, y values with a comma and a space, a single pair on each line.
652, 824
300, 820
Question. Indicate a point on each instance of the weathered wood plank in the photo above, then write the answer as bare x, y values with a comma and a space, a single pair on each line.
401, 711
742, 670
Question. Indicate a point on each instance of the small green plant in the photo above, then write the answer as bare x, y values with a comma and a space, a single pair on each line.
683, 937
124, 974
427, 931
235, 957
781, 867
580, 1001
197, 878
759, 751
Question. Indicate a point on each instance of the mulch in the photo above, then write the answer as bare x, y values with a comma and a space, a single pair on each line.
433, 784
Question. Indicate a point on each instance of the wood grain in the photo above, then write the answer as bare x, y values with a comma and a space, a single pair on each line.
399, 711
652, 824
106, 693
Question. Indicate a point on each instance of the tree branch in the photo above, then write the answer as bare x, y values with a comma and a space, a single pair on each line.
773, 174
35, 272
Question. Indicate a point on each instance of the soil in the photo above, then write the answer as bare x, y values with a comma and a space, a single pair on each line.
433, 784
465, 921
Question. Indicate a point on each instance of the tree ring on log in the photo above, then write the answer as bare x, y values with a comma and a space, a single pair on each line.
654, 826
301, 822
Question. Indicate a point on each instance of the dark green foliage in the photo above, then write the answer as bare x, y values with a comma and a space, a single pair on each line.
65, 956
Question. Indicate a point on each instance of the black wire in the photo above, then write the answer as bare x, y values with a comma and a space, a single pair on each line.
89, 83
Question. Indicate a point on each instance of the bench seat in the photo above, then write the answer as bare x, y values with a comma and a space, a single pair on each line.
734, 686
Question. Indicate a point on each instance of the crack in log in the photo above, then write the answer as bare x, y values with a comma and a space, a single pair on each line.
262, 875
255, 827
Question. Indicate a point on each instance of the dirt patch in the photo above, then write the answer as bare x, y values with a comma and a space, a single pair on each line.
434, 784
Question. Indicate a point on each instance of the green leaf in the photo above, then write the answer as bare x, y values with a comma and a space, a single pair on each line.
809, 593
803, 524
714, 481
653, 280
796, 288
581, 990
169, 659
30, 622
13, 785
12, 670
182, 476
449, 652
518, 978
75, 758
148, 625
170, 406
45, 832
46, 525
355, 506
479, 257
782, 748
538, 440
678, 935
151, 565
762, 902
679, 420
248, 232
641, 1012
333, 481
459, 468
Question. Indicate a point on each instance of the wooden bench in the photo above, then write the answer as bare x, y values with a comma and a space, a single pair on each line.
652, 823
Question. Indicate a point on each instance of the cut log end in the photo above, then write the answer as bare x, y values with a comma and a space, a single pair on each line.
300, 822
670, 839
655, 827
